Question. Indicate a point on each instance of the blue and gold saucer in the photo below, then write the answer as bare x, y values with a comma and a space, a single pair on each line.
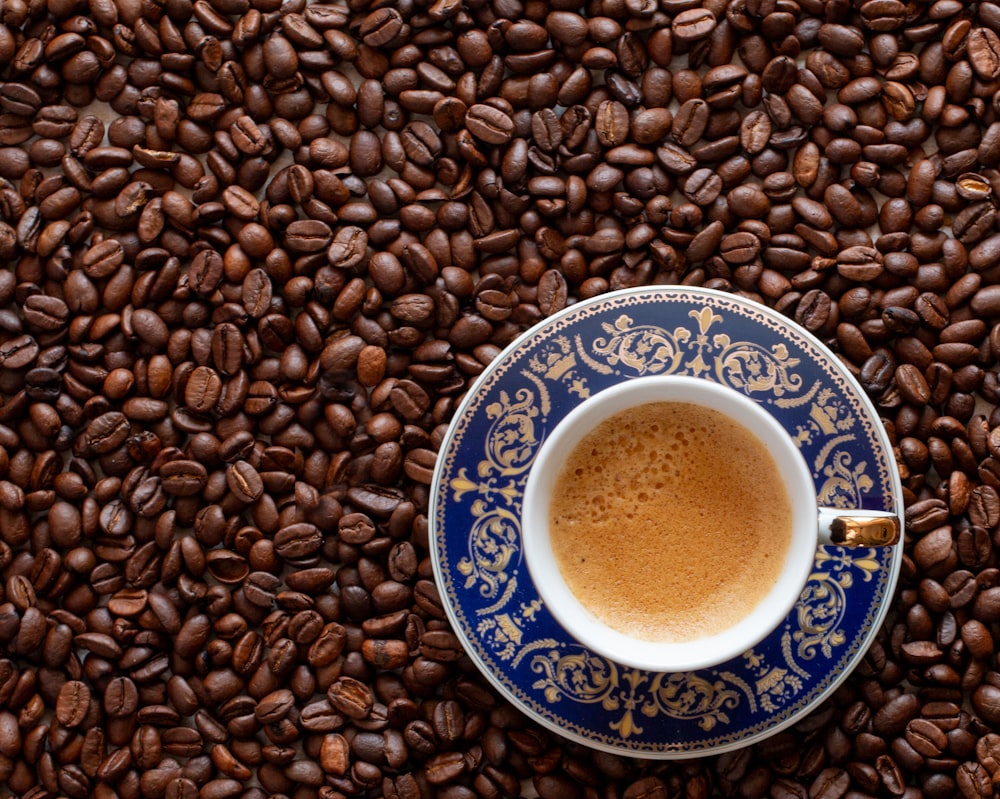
476, 521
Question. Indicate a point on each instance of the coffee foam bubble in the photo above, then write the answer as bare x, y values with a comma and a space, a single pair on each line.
670, 520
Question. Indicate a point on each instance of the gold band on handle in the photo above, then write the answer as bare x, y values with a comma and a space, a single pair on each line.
865, 531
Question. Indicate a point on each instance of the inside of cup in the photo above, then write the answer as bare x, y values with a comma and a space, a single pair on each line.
709, 650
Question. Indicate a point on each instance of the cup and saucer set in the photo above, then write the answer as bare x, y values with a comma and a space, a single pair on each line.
595, 695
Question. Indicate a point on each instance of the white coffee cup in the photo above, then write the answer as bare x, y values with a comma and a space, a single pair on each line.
812, 526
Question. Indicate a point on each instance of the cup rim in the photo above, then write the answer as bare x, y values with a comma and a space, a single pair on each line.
704, 652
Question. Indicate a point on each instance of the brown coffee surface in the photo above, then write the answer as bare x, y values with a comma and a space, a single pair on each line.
670, 522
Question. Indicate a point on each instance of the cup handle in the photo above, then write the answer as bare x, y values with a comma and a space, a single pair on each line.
861, 528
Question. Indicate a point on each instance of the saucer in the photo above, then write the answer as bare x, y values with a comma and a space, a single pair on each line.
476, 522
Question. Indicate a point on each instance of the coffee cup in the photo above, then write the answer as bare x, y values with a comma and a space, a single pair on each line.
671, 523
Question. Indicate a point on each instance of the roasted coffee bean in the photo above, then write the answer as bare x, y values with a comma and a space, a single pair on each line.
73, 703
983, 48
244, 481
183, 477
693, 23
973, 780
489, 124
352, 698
892, 718
926, 737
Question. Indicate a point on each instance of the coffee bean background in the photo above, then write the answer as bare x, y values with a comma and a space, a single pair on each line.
253, 254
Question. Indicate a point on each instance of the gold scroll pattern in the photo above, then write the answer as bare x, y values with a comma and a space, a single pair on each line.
583, 677
844, 483
630, 348
511, 442
510, 445
493, 549
556, 363
694, 697
517, 427
821, 609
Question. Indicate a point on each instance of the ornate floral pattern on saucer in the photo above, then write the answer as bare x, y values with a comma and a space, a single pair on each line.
476, 525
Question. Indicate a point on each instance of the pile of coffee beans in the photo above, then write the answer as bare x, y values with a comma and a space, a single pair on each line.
252, 253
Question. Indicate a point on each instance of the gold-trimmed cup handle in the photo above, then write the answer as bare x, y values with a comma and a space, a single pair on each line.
860, 528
